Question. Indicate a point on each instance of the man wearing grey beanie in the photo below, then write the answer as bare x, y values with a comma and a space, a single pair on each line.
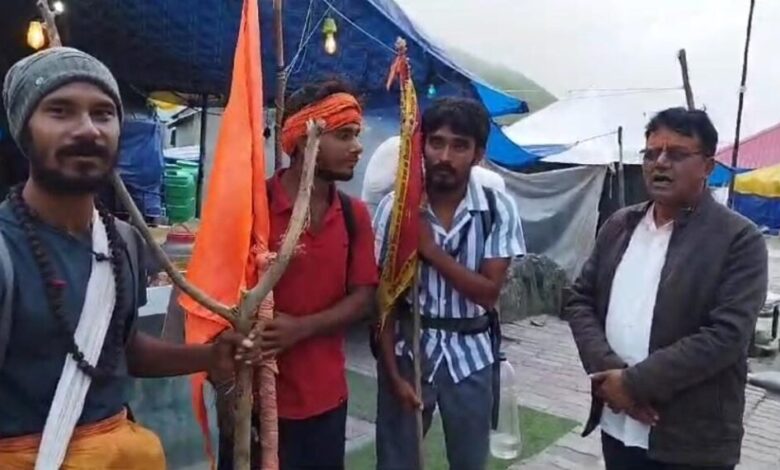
71, 282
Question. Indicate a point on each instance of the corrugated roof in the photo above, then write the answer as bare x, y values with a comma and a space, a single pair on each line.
757, 151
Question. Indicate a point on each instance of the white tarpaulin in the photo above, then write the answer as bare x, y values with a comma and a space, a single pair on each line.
560, 211
587, 123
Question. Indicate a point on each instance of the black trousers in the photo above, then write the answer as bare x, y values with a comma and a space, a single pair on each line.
315, 443
619, 457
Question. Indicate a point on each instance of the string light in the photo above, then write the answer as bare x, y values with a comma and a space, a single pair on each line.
329, 29
59, 7
36, 38
432, 91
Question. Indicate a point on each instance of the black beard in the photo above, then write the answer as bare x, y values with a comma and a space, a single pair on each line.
331, 176
441, 185
54, 182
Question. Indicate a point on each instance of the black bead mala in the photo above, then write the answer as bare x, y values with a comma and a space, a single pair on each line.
114, 342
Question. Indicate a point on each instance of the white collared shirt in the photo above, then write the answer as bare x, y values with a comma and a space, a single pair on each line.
630, 314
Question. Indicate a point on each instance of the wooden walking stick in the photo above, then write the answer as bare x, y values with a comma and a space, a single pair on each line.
417, 364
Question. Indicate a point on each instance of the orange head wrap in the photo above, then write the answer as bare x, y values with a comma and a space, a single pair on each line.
336, 110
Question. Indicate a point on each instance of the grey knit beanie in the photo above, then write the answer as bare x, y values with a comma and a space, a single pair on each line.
32, 78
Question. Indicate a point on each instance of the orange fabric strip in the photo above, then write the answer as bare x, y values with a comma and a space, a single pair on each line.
337, 110
31, 442
115, 443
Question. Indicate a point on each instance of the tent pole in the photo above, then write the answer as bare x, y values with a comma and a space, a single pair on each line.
620, 172
281, 83
735, 149
204, 108
683, 58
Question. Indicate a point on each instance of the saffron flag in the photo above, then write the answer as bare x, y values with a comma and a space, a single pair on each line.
235, 223
400, 263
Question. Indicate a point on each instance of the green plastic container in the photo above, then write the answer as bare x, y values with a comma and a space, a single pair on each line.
191, 168
178, 213
179, 186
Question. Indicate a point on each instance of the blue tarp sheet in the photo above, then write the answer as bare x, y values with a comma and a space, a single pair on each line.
188, 46
763, 211
722, 174
503, 152
141, 164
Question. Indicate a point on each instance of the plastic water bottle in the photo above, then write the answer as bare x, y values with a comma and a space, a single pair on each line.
506, 443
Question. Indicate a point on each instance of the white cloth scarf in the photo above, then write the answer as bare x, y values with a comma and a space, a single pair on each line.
90, 334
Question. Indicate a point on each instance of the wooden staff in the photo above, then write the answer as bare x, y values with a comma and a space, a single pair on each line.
416, 327
51, 26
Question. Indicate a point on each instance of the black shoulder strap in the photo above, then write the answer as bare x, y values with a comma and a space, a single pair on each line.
127, 232
349, 220
349, 223
489, 217
7, 268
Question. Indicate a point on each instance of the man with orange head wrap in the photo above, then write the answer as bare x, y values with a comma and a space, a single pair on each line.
328, 285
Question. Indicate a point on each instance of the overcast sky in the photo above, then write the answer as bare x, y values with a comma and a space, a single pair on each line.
575, 44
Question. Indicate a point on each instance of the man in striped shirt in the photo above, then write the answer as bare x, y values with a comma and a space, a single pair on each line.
468, 236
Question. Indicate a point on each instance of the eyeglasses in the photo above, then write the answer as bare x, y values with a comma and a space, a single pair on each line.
673, 155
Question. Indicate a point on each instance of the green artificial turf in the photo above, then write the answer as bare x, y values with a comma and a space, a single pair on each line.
538, 430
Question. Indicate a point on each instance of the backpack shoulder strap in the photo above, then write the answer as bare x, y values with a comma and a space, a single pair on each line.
349, 222
6, 267
349, 213
489, 217
131, 239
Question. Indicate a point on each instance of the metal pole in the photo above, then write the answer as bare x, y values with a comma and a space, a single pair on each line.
683, 58
281, 83
204, 112
417, 365
735, 149
620, 173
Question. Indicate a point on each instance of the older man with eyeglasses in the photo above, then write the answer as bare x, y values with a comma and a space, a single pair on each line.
665, 308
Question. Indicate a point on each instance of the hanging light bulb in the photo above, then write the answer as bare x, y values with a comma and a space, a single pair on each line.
36, 38
432, 91
59, 7
329, 29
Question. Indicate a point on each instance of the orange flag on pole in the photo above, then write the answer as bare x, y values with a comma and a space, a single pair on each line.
400, 263
235, 220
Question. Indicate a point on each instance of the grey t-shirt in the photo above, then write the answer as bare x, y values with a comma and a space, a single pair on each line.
37, 348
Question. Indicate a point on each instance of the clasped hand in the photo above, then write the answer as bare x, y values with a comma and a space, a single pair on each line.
610, 386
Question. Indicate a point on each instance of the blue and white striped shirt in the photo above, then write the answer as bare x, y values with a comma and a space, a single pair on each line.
464, 354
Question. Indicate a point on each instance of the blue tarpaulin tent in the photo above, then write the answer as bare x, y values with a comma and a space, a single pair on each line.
188, 46
757, 196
